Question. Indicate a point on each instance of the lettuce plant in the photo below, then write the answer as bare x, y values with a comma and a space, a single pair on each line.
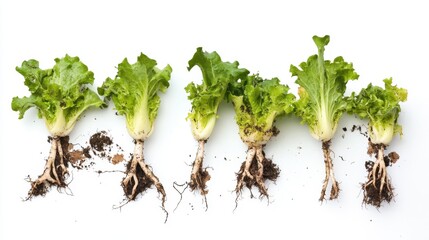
134, 91
60, 95
322, 102
381, 107
205, 99
258, 103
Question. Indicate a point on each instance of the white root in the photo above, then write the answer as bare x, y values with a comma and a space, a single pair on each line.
335, 188
60, 152
246, 171
50, 175
132, 172
260, 177
326, 180
49, 166
329, 176
50, 163
195, 178
381, 174
260, 157
199, 158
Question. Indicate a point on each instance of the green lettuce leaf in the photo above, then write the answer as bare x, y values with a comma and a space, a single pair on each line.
134, 91
257, 103
381, 107
322, 86
207, 96
60, 94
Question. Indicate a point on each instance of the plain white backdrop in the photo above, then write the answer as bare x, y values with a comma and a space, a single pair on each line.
381, 38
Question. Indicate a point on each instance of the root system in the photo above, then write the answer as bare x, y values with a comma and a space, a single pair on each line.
139, 177
255, 171
199, 175
55, 172
378, 187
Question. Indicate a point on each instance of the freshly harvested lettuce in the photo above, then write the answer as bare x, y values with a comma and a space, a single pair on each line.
60, 95
381, 107
322, 101
205, 99
134, 91
258, 103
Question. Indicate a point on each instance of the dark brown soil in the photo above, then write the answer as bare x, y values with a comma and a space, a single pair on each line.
139, 177
41, 188
270, 172
100, 141
372, 193
143, 184
102, 145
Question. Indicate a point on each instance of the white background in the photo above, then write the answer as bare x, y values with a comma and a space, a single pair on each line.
381, 38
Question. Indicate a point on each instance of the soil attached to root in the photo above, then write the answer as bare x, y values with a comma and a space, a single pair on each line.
378, 187
254, 171
55, 172
139, 177
329, 174
199, 175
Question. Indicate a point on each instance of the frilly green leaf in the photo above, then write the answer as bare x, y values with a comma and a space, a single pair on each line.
206, 97
134, 91
381, 107
257, 103
60, 94
322, 86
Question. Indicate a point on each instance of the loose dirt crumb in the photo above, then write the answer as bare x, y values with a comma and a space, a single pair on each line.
393, 156
102, 146
117, 158
76, 156
100, 141
79, 158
